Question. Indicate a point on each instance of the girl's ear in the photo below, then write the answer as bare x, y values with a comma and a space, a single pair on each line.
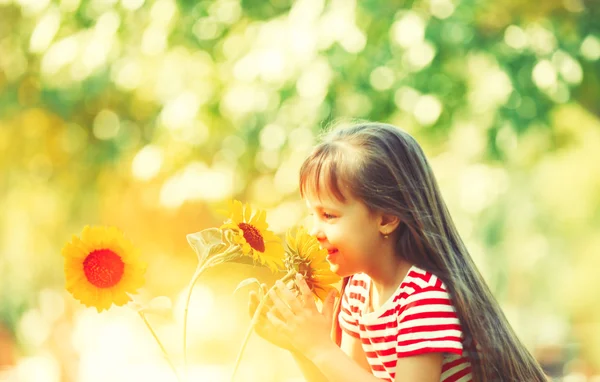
388, 223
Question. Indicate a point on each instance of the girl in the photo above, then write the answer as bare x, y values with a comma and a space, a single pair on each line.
413, 306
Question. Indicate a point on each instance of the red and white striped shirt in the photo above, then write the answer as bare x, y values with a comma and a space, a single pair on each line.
418, 318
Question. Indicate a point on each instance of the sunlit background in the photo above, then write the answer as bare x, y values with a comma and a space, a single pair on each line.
150, 115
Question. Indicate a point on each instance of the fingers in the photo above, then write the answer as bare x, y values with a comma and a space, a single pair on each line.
275, 321
329, 304
290, 298
282, 302
305, 291
253, 303
266, 329
280, 308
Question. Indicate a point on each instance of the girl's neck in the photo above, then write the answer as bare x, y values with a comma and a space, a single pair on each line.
386, 280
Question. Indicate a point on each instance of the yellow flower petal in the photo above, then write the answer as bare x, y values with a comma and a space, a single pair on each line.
237, 214
307, 258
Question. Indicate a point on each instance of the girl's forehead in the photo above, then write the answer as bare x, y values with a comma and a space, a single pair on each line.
326, 188
322, 198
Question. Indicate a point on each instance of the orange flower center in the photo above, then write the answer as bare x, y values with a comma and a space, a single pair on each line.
253, 236
103, 268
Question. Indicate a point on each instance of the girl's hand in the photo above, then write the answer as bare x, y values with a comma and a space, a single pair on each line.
297, 319
263, 327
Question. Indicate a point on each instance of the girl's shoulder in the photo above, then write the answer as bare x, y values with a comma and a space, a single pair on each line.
421, 287
418, 279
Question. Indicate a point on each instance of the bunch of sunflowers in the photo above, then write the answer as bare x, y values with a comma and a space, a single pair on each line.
103, 268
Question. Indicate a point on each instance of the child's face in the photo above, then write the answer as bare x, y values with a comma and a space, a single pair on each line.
348, 230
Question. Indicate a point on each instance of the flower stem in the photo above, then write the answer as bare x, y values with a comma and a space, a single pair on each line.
211, 262
255, 317
195, 278
162, 348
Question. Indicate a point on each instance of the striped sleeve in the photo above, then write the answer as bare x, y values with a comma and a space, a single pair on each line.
428, 323
352, 297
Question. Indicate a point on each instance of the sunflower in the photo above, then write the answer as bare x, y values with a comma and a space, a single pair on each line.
102, 267
307, 258
252, 235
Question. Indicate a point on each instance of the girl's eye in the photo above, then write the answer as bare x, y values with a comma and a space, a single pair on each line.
328, 216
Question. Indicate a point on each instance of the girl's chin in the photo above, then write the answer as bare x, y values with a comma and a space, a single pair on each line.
340, 271
333, 267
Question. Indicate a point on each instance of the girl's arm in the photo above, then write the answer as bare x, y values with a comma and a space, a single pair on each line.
308, 330
349, 345
310, 372
420, 368
353, 348
338, 367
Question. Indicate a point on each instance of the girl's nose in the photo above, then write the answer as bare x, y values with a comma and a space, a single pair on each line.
314, 230
317, 232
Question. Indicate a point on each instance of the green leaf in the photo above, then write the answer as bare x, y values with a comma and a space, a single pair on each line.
247, 282
206, 243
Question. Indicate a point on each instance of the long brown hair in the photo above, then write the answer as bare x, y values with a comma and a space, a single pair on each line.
385, 168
